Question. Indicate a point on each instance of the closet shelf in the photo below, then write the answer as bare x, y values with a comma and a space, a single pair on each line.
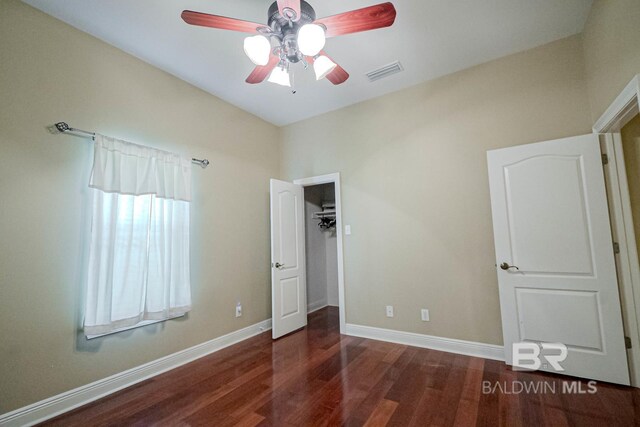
327, 217
324, 214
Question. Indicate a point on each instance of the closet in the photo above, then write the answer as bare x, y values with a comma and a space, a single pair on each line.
321, 246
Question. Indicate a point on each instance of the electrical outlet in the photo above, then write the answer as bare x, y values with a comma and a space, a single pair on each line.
238, 309
424, 313
389, 311
347, 230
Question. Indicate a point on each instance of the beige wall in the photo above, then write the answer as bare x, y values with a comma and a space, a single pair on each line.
415, 185
413, 166
611, 50
51, 72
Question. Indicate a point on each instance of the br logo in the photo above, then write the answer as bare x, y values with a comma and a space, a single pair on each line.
532, 356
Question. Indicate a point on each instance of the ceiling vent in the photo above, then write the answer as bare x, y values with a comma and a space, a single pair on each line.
385, 71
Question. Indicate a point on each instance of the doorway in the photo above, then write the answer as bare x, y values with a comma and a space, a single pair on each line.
289, 300
619, 130
622, 172
321, 247
334, 234
629, 138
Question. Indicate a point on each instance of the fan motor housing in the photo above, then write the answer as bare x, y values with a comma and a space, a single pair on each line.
287, 30
307, 13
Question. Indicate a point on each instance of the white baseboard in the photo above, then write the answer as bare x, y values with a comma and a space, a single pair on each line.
315, 306
64, 402
468, 348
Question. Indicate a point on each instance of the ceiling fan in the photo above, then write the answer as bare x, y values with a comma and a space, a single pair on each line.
293, 34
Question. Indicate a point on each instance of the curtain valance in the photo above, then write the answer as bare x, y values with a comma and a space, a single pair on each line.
126, 168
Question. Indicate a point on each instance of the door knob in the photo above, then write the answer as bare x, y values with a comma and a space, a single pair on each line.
279, 266
506, 266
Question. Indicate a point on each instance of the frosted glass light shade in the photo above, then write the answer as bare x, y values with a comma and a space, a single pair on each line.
280, 76
311, 39
323, 66
258, 49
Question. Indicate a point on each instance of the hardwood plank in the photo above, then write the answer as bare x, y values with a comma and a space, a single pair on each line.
488, 405
451, 394
317, 377
381, 384
467, 411
250, 420
422, 379
365, 372
381, 415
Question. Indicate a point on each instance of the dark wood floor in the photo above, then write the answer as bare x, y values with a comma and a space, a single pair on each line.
318, 377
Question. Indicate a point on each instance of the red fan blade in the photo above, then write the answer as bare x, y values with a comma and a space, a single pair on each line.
261, 72
221, 22
337, 76
289, 9
368, 18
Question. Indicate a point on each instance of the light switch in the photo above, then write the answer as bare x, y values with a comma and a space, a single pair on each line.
347, 230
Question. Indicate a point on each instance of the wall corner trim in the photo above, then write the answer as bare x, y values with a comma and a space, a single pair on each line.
450, 345
64, 402
625, 106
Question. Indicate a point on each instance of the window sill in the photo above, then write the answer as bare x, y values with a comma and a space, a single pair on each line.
138, 325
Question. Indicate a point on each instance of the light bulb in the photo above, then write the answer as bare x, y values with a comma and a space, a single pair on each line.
280, 76
311, 39
258, 49
323, 66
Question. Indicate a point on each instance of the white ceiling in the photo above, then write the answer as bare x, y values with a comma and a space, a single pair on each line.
430, 37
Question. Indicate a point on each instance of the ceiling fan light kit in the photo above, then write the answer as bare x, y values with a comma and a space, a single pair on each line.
311, 39
293, 34
258, 49
280, 76
323, 66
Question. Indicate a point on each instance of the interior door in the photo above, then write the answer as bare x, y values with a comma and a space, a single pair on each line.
554, 255
288, 273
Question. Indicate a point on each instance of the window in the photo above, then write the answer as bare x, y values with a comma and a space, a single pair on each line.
139, 249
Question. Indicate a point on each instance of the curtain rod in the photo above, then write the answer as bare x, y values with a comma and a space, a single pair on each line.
63, 127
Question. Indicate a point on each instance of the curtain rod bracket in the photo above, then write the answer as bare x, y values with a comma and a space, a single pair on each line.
204, 162
62, 126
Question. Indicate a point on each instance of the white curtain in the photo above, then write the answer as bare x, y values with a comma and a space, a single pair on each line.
139, 250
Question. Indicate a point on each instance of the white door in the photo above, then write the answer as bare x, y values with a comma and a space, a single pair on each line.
554, 255
288, 273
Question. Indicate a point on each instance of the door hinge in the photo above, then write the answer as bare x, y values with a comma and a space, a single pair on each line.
627, 342
616, 248
605, 159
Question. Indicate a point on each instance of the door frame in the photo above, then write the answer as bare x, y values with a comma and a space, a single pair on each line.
335, 179
625, 107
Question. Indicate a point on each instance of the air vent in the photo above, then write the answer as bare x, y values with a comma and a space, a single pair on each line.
385, 71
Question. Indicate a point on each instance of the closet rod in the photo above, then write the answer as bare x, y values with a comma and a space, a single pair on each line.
64, 127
